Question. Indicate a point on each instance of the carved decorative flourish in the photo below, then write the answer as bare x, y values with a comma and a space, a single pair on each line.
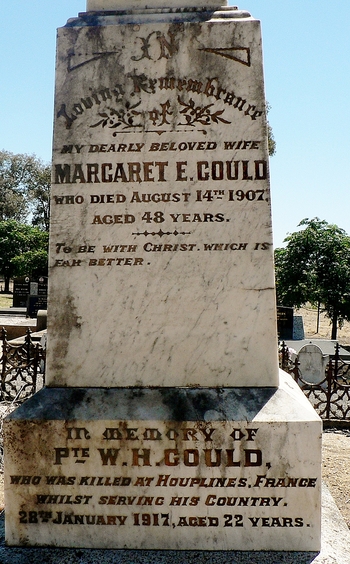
123, 118
127, 117
200, 114
161, 233
238, 54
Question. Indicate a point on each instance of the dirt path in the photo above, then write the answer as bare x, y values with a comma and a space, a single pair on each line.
336, 469
325, 327
336, 445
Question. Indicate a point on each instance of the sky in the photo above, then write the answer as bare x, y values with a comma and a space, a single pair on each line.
307, 80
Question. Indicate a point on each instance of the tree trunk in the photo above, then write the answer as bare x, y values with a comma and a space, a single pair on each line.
334, 326
7, 284
318, 316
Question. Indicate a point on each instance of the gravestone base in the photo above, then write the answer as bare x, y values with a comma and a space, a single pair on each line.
165, 468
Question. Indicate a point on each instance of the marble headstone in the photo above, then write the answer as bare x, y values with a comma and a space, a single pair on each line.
312, 363
165, 423
161, 243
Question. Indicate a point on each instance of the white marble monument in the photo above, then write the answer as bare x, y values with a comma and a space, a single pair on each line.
165, 423
161, 241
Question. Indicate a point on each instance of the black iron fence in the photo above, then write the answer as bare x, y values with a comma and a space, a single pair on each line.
330, 396
22, 368
23, 373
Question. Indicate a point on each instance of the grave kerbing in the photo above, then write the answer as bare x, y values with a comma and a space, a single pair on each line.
165, 422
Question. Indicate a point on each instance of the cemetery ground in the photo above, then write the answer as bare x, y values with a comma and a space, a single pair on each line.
5, 301
336, 443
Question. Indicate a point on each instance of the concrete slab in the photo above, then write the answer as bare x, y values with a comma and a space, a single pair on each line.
13, 311
15, 322
335, 550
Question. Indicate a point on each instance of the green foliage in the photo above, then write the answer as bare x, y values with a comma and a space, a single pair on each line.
24, 189
22, 246
272, 146
31, 262
315, 267
271, 141
39, 196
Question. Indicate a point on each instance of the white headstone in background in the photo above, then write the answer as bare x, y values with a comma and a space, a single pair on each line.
312, 363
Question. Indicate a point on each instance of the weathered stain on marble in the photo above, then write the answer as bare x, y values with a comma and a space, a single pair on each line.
243, 483
161, 226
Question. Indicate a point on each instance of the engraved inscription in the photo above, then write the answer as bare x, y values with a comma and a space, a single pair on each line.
163, 475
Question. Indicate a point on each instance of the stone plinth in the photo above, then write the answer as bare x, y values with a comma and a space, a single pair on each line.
165, 469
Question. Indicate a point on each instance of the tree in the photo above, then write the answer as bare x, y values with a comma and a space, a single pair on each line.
272, 145
22, 247
271, 141
24, 189
31, 262
315, 267
39, 196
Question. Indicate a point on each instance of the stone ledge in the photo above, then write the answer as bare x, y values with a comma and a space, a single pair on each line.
108, 5
169, 404
131, 15
335, 550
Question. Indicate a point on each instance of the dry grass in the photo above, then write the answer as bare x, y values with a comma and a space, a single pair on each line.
325, 328
5, 301
336, 446
336, 470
